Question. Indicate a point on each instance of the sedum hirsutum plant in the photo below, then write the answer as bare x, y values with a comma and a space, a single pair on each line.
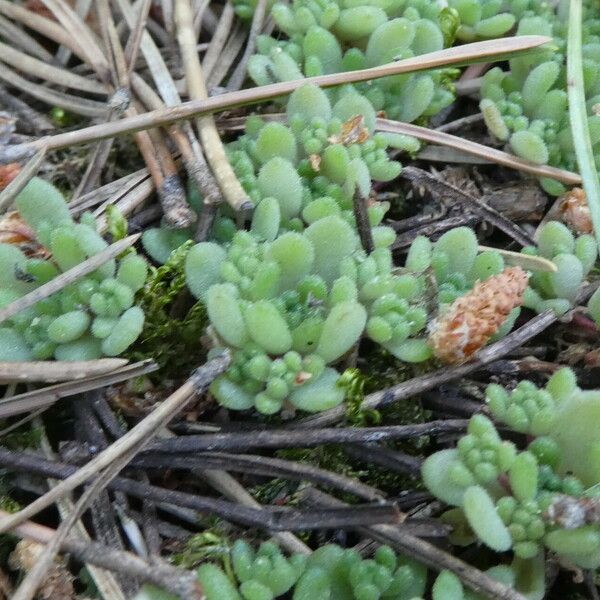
329, 572
294, 294
94, 316
526, 500
328, 37
526, 106
332, 572
574, 258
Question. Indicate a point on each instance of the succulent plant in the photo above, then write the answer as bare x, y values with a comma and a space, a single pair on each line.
509, 498
92, 317
526, 106
329, 572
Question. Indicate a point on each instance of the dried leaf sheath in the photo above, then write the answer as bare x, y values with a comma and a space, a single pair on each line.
473, 318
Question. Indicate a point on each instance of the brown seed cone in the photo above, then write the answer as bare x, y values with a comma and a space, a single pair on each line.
475, 317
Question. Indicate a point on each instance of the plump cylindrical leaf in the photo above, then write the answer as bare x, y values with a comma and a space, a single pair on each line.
278, 178
321, 394
484, 520
266, 219
294, 254
225, 315
69, 327
125, 332
358, 22
275, 139
202, 267
333, 239
267, 327
342, 329
389, 40
309, 101
215, 584
13, 346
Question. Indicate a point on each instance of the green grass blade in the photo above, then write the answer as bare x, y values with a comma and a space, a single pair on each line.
578, 115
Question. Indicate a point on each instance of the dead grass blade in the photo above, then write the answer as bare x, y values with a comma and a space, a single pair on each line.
39, 68
76, 104
491, 154
57, 370
44, 397
460, 55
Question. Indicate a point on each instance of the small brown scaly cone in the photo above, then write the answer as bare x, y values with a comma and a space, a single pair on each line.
474, 318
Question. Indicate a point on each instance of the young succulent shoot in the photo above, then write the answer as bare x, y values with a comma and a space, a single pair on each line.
93, 317
329, 572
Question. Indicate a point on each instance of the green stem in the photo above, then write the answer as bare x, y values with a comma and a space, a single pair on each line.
578, 116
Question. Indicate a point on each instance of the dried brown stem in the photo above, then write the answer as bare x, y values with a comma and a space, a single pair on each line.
233, 192
459, 55
144, 430
183, 583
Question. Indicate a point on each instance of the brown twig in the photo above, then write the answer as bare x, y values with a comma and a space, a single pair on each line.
458, 55
180, 582
144, 430
233, 192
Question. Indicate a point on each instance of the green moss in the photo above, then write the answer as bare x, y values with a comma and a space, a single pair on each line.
171, 339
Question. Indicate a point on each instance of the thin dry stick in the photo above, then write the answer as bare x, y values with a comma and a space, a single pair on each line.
190, 149
151, 145
82, 8
231, 51
144, 430
57, 370
46, 27
218, 38
12, 190
35, 576
213, 146
89, 44
135, 38
458, 55
178, 581
105, 581
230, 488
68, 277
362, 222
55, 75
20, 39
186, 143
76, 104
502, 158
44, 397
237, 78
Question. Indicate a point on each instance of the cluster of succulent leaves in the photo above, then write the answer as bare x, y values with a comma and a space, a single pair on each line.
502, 494
574, 258
329, 37
329, 572
296, 292
332, 572
94, 316
526, 106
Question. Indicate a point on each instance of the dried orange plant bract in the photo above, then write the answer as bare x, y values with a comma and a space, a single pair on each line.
474, 318
277, 264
